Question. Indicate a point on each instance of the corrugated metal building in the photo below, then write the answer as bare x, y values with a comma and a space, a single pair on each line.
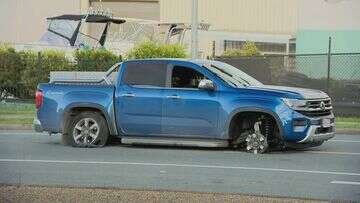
24, 21
232, 21
271, 23
249, 16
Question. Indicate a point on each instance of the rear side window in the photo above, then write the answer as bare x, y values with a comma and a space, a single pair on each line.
145, 74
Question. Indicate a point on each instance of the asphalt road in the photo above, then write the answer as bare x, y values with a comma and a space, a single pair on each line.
328, 172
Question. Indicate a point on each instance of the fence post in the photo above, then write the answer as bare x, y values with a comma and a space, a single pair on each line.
213, 50
328, 67
39, 61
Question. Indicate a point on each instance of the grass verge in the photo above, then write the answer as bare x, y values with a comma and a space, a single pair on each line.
348, 122
16, 113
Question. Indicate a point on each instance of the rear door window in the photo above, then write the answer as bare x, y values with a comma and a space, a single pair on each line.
145, 74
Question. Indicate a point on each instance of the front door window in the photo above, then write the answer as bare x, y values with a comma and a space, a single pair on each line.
183, 77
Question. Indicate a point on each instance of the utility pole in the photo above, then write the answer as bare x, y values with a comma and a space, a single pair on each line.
194, 29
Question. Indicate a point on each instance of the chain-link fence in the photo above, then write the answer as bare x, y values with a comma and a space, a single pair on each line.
336, 74
22, 71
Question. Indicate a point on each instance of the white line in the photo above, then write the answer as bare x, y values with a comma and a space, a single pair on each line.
345, 182
181, 165
22, 133
308, 152
351, 141
336, 153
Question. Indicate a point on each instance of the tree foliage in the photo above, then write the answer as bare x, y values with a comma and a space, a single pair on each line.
21, 71
37, 66
95, 59
248, 49
151, 49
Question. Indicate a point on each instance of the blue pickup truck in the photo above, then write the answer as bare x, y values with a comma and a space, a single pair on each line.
185, 103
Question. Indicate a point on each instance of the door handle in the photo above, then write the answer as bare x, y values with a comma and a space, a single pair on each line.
173, 97
128, 95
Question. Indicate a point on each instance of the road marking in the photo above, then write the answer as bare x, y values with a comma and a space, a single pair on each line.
336, 153
345, 182
181, 165
309, 152
22, 133
351, 141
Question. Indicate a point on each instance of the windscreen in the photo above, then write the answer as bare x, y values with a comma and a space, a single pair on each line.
231, 75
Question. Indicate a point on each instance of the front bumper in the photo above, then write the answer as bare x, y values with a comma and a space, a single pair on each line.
37, 125
317, 133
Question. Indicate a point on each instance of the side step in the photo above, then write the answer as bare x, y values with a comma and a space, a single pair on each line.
175, 142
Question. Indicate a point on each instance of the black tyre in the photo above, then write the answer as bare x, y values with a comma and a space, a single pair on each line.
87, 129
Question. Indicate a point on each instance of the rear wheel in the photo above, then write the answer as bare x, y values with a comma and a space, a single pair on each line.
87, 129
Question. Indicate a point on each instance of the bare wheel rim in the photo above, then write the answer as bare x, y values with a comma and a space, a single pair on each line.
86, 131
256, 143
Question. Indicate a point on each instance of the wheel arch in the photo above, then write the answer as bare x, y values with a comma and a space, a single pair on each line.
80, 107
232, 116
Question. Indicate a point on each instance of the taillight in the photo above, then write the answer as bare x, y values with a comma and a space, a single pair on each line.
38, 98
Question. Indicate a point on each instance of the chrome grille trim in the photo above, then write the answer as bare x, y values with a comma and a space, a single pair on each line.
317, 107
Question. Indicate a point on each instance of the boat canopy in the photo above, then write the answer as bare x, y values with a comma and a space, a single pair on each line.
92, 18
66, 29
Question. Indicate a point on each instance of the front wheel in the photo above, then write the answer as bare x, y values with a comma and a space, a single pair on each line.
87, 129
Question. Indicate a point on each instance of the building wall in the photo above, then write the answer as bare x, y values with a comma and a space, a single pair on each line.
329, 14
338, 19
317, 41
24, 21
148, 10
320, 19
248, 16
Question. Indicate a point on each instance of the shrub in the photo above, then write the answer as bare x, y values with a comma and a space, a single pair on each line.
10, 66
10, 71
37, 67
151, 49
21, 71
95, 59
248, 49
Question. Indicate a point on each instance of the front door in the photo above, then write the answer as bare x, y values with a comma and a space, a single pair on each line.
139, 98
189, 111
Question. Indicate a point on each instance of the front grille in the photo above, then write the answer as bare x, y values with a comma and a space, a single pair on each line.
316, 108
316, 104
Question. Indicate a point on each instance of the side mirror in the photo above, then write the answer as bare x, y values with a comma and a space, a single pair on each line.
206, 85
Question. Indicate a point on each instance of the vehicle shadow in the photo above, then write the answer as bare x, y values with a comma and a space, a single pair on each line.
116, 142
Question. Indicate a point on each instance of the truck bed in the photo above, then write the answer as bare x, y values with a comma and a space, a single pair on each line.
58, 98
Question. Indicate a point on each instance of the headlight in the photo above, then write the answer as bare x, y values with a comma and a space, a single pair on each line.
296, 104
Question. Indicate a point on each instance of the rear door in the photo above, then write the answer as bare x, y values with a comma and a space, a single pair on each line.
139, 98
